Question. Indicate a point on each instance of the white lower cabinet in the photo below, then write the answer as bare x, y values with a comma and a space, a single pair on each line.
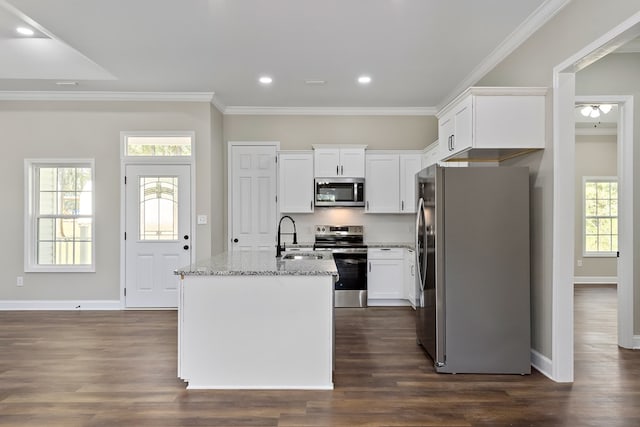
410, 276
386, 277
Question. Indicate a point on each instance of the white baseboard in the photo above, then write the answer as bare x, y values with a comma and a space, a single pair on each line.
6, 305
636, 342
541, 363
589, 280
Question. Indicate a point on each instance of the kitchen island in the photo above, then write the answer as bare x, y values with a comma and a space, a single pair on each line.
249, 320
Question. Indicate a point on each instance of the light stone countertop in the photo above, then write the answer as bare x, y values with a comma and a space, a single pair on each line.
404, 245
258, 263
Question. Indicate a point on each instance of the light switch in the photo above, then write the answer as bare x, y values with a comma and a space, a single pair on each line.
202, 219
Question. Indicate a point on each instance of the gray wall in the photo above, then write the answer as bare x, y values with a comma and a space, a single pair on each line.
88, 130
300, 132
596, 155
572, 29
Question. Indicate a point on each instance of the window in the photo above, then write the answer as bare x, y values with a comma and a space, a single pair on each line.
59, 229
158, 146
600, 216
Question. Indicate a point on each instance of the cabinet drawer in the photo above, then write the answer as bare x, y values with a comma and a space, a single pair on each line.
385, 253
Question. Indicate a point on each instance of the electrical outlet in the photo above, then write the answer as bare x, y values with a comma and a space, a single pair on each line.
19, 281
202, 219
579, 262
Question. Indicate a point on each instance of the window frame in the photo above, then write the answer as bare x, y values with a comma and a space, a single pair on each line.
31, 217
596, 179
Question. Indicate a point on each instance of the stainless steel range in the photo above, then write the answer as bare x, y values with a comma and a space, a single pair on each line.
346, 243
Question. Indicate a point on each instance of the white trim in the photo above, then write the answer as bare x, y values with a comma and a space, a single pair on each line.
563, 227
541, 363
636, 342
330, 111
8, 95
595, 280
8, 305
533, 23
563, 178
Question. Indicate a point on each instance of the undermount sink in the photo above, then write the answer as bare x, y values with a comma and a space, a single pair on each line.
304, 256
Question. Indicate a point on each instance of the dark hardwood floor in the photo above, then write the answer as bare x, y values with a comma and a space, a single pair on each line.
119, 368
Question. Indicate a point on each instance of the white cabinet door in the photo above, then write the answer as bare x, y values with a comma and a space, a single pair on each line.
410, 164
455, 129
352, 163
431, 154
410, 276
382, 183
295, 186
326, 162
339, 162
385, 278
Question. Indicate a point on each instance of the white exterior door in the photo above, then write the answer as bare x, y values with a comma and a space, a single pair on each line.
158, 233
252, 197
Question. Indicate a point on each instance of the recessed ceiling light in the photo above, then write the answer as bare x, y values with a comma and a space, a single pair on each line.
265, 80
67, 83
25, 31
364, 80
315, 82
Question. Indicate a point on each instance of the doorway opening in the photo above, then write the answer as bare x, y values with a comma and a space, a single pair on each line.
564, 191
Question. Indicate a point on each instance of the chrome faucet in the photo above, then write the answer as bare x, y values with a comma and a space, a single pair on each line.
295, 235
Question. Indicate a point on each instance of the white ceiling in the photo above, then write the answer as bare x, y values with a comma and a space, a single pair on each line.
419, 53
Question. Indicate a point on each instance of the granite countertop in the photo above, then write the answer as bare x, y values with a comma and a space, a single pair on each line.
258, 263
403, 245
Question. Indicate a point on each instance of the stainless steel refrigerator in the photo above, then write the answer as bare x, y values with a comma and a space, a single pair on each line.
473, 281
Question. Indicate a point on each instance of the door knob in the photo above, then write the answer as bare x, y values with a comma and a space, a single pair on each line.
235, 240
185, 247
186, 237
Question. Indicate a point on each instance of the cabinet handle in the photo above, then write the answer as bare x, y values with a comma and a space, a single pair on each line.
341, 170
311, 205
369, 266
385, 249
337, 170
402, 205
412, 267
453, 142
367, 205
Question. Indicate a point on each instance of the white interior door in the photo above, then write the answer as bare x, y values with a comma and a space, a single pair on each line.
253, 197
158, 233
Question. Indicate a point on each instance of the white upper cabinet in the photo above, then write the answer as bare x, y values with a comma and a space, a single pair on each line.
339, 161
492, 119
295, 182
382, 183
390, 182
410, 164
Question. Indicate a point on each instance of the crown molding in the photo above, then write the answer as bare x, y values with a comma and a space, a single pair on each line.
537, 19
105, 96
331, 111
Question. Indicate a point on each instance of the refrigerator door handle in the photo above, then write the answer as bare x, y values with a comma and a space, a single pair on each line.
421, 265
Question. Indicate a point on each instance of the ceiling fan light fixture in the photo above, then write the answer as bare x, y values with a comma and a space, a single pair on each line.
595, 113
586, 111
605, 108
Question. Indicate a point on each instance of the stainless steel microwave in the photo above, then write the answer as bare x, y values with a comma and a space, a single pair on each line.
339, 191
